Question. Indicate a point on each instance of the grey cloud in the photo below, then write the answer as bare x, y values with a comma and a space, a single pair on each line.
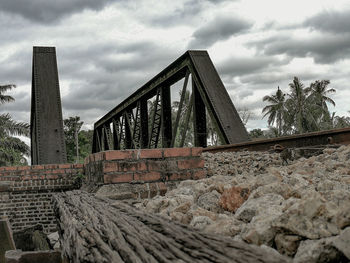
106, 76
220, 28
44, 11
241, 94
16, 68
238, 66
21, 103
324, 49
188, 12
330, 21
277, 78
98, 76
219, 1
183, 15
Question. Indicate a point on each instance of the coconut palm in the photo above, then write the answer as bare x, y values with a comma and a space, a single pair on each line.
319, 95
11, 146
302, 108
276, 110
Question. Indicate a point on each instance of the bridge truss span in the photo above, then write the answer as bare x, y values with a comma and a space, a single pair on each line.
146, 118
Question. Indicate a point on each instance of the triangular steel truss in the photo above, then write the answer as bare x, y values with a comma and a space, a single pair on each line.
155, 128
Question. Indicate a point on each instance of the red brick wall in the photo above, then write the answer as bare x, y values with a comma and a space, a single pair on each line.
26, 191
144, 166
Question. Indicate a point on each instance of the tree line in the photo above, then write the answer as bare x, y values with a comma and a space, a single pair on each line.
303, 109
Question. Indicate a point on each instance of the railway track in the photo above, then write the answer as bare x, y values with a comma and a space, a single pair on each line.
335, 136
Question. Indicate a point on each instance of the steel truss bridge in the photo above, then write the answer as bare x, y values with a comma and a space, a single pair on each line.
132, 124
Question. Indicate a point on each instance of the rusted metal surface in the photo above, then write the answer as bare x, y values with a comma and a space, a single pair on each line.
46, 124
336, 136
130, 118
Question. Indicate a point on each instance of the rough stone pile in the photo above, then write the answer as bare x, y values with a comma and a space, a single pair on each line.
228, 163
301, 210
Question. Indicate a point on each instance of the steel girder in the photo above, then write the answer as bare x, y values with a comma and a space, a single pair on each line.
46, 124
208, 95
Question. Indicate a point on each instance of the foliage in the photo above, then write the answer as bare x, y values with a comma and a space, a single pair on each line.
12, 149
277, 110
256, 133
304, 109
78, 143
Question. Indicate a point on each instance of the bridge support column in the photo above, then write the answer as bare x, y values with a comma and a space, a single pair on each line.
166, 117
199, 118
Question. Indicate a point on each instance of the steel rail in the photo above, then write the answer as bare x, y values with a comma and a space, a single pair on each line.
335, 136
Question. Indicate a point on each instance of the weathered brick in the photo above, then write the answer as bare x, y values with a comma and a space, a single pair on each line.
199, 174
177, 152
127, 166
196, 151
190, 163
149, 153
52, 176
119, 155
78, 166
180, 176
147, 176
110, 167
21, 168
99, 156
37, 167
58, 171
64, 166
156, 165
51, 166
118, 178
10, 168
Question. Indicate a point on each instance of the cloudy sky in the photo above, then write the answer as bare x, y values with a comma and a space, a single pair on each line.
107, 49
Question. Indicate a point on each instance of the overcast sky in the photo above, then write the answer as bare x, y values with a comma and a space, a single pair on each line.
108, 49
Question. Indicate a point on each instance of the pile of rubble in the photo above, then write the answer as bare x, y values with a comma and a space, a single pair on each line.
300, 209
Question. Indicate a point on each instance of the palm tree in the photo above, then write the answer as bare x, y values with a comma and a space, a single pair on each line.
5, 98
11, 146
301, 107
319, 95
276, 110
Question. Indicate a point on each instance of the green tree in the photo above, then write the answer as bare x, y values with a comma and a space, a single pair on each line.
340, 121
85, 143
12, 149
298, 106
276, 110
78, 143
319, 92
272, 132
304, 110
256, 133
